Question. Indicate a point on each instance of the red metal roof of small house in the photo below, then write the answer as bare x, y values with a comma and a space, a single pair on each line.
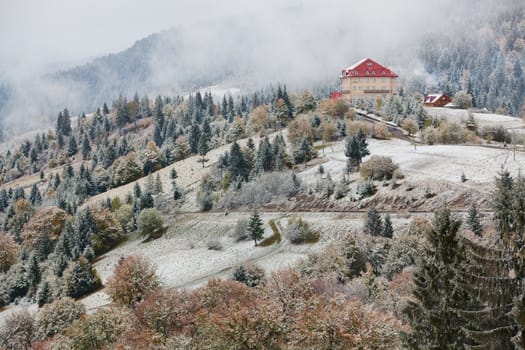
432, 98
368, 68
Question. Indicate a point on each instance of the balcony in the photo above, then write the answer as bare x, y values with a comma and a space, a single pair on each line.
377, 91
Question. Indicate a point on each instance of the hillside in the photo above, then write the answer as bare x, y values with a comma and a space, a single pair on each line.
246, 198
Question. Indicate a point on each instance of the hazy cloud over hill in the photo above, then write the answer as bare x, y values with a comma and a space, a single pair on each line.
242, 42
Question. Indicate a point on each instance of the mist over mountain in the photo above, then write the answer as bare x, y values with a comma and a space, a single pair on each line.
301, 44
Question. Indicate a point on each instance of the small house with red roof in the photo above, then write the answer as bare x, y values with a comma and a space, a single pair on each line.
368, 80
437, 100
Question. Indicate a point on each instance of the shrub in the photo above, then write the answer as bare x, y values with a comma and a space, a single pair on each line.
378, 168
134, 278
249, 274
214, 244
410, 125
341, 189
380, 131
298, 231
56, 317
240, 232
108, 231
429, 135
8, 251
125, 216
265, 189
462, 99
166, 311
97, 331
150, 223
17, 331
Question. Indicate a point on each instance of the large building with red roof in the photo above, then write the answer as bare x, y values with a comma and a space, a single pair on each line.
368, 80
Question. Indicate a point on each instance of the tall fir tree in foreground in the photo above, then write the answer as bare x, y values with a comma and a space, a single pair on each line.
433, 314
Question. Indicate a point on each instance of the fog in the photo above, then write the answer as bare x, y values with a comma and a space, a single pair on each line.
297, 42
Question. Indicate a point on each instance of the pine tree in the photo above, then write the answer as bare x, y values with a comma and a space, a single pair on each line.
35, 197
137, 191
66, 123
353, 153
238, 168
304, 152
42, 245
44, 295
158, 184
433, 316
86, 148
33, 271
363, 144
374, 223
388, 229
157, 136
72, 146
473, 220
203, 149
503, 198
255, 227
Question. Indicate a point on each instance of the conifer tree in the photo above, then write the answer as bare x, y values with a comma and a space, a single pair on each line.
158, 184
66, 123
44, 294
304, 152
388, 229
137, 191
33, 271
238, 168
363, 145
353, 153
35, 197
203, 149
473, 220
255, 227
374, 223
72, 146
503, 198
434, 315
86, 148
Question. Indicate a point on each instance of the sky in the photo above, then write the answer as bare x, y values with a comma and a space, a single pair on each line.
36, 32
277, 40
42, 32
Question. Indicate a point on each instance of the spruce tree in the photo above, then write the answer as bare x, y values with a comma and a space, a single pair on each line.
158, 184
353, 153
503, 209
304, 152
433, 315
44, 295
363, 144
238, 167
374, 223
86, 148
255, 227
203, 149
137, 191
388, 229
33, 271
35, 197
473, 220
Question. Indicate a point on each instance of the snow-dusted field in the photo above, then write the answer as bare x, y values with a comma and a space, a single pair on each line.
483, 119
184, 261
437, 162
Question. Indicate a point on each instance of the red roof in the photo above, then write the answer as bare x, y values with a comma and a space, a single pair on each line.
368, 68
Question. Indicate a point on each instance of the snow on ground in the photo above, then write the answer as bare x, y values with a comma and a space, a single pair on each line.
482, 119
183, 260
480, 164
